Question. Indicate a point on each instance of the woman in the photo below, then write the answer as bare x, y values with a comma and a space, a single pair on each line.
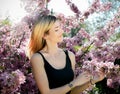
53, 68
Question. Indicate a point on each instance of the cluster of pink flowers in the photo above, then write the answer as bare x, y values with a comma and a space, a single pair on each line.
93, 52
11, 82
96, 6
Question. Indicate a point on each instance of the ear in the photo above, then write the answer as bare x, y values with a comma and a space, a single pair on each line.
45, 36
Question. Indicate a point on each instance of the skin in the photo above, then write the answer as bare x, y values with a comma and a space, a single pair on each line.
56, 58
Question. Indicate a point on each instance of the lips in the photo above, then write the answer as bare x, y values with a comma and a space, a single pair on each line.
61, 36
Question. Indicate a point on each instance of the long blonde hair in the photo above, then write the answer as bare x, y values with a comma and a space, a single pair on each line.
41, 28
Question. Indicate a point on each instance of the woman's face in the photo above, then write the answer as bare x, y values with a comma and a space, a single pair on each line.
55, 33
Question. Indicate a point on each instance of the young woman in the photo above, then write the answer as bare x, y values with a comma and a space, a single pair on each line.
53, 68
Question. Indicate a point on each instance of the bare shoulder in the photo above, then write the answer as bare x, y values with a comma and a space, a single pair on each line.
72, 58
71, 54
36, 59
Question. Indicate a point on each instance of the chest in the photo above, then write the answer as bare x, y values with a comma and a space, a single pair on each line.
59, 76
57, 62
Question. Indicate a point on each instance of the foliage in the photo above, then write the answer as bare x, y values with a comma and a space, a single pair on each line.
95, 43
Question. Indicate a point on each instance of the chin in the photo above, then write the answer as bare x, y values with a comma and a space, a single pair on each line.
61, 39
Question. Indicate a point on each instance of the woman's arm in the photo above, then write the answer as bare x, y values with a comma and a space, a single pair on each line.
42, 81
98, 77
80, 89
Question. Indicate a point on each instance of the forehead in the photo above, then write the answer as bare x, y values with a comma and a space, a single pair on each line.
55, 25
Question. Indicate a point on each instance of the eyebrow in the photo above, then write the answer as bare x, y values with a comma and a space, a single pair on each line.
56, 26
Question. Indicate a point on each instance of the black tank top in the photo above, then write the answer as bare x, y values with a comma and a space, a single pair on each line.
59, 77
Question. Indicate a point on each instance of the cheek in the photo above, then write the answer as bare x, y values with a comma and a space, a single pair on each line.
52, 37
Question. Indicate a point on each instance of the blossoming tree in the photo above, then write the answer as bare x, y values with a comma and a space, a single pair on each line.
93, 50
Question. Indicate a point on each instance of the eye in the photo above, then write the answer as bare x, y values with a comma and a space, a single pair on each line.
56, 30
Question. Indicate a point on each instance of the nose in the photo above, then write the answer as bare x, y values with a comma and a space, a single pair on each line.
62, 31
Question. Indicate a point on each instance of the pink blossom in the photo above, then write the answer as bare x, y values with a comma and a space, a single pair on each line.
84, 33
20, 76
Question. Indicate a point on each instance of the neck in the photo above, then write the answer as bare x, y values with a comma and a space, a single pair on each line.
52, 49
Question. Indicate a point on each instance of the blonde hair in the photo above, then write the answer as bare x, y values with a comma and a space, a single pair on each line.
41, 28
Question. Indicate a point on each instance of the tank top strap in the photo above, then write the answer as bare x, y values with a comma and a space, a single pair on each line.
42, 56
68, 61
